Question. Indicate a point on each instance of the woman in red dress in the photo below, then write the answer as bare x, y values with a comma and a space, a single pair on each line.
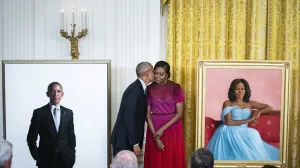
164, 138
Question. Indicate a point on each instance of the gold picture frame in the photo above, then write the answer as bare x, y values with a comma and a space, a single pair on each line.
223, 69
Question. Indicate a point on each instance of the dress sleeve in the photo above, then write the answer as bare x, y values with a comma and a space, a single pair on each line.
225, 111
179, 95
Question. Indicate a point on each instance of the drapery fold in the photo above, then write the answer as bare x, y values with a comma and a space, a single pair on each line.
234, 30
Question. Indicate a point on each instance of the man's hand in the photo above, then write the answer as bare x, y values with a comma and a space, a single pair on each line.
137, 150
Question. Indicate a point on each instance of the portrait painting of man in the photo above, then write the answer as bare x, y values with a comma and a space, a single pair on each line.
55, 112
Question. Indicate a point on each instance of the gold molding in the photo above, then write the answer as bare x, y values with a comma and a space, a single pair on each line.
163, 4
56, 61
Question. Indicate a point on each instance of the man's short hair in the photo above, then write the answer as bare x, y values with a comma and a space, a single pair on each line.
125, 159
52, 84
5, 151
142, 67
202, 158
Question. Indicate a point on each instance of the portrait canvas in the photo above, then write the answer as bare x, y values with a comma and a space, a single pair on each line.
86, 87
236, 140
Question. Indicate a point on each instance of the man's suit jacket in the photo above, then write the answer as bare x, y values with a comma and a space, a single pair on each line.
52, 143
129, 127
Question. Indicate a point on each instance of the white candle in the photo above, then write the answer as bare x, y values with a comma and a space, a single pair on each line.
82, 22
67, 24
72, 16
62, 20
85, 18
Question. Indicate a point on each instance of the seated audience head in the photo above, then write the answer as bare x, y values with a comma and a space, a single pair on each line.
5, 154
202, 158
269, 166
124, 159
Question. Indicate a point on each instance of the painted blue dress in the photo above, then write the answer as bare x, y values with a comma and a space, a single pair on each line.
239, 142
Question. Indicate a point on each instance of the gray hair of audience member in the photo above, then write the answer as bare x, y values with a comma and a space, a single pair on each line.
142, 67
202, 158
5, 152
125, 159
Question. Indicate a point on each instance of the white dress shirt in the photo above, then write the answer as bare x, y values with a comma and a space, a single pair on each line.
52, 107
143, 84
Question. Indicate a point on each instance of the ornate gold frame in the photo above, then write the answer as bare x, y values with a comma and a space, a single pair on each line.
203, 65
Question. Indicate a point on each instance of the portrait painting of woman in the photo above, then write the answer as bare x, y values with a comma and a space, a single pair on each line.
233, 139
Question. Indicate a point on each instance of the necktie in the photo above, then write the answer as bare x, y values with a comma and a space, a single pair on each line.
146, 91
56, 118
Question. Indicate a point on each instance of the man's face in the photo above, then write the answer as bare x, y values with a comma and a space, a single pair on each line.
150, 74
55, 94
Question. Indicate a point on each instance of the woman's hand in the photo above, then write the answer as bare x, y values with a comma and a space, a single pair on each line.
253, 117
256, 115
159, 144
159, 132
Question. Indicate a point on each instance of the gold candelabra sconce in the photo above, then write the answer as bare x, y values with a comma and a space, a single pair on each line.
73, 38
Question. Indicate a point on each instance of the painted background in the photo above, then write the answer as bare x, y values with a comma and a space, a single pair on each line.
265, 85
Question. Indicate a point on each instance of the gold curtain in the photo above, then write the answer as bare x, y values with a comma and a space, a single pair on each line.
234, 30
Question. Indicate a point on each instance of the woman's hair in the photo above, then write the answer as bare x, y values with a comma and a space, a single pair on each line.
164, 65
231, 94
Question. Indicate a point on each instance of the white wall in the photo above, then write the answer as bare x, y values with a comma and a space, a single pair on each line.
125, 31
1, 55
1, 23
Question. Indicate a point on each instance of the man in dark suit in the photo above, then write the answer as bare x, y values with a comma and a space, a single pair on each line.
54, 124
128, 132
